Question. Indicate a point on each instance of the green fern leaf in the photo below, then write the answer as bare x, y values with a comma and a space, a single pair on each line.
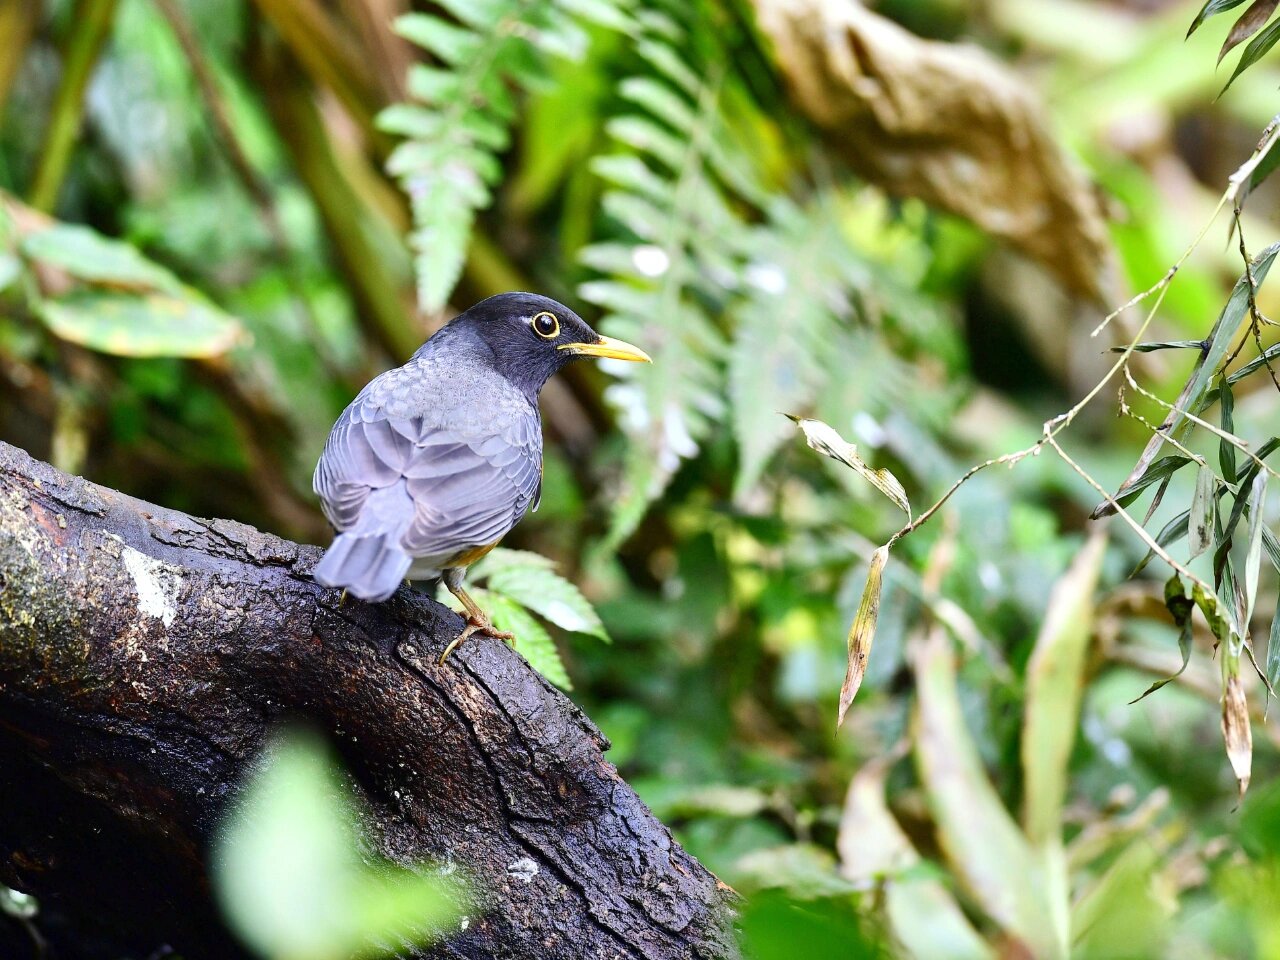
533, 642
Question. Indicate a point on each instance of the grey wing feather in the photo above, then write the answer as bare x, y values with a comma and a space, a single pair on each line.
469, 486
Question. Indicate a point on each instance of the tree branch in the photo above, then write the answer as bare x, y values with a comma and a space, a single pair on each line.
145, 655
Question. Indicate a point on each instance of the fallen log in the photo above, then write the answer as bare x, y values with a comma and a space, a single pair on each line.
145, 655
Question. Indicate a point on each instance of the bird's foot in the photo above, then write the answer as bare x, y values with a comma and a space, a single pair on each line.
477, 625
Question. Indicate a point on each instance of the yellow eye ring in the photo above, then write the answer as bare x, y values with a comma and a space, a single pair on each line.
546, 325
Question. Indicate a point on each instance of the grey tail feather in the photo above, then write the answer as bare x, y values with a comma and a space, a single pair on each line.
369, 566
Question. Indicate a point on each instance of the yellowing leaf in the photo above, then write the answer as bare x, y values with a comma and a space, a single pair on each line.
1236, 731
863, 632
827, 442
141, 325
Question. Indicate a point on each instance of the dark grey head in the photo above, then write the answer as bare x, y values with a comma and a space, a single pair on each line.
530, 337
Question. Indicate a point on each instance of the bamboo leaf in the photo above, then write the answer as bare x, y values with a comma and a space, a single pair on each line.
1273, 653
1211, 9
827, 442
1200, 518
863, 631
1237, 732
1180, 605
1255, 51
1172, 532
1253, 555
1226, 449
1055, 681
1154, 345
1249, 23
1159, 471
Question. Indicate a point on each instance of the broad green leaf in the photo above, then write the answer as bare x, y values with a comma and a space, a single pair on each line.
141, 325
981, 841
1210, 9
924, 916
1255, 51
545, 592
1200, 520
863, 631
91, 257
1180, 605
290, 876
826, 441
1055, 681
533, 642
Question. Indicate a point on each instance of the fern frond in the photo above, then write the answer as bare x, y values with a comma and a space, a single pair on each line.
460, 115
667, 286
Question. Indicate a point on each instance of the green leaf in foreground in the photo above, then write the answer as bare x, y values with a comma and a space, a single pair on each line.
531, 580
289, 875
1257, 48
146, 325
533, 642
829, 443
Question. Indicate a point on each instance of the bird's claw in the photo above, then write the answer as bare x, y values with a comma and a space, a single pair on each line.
473, 627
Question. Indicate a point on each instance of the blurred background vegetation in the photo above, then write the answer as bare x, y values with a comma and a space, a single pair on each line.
220, 218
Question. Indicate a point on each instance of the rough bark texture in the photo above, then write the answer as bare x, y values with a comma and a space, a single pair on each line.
145, 654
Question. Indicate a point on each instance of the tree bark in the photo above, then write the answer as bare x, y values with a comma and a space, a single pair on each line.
146, 654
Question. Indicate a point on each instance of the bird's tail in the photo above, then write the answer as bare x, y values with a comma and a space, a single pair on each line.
368, 560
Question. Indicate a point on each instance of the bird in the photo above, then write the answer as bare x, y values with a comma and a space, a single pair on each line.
435, 461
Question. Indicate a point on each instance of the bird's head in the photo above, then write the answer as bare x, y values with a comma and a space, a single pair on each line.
531, 337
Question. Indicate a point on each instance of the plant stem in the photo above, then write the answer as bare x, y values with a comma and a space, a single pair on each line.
91, 24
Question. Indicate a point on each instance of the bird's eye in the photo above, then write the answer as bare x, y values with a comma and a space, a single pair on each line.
546, 326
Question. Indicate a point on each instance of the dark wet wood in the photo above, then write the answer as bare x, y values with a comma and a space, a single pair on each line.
144, 656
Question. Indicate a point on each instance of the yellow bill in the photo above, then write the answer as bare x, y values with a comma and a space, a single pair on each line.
608, 347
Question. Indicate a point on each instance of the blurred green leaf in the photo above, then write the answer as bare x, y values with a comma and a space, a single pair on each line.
1154, 345
10, 270
289, 873
1055, 682
923, 915
983, 844
774, 927
91, 257
146, 325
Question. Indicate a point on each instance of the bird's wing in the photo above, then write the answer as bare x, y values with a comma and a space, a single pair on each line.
469, 486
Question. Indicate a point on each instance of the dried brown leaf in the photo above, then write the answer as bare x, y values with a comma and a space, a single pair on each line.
945, 123
824, 439
1237, 733
1250, 22
863, 632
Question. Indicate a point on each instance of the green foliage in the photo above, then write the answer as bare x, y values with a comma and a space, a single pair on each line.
520, 584
293, 880
462, 114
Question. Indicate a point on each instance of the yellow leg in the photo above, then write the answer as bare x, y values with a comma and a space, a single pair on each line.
477, 620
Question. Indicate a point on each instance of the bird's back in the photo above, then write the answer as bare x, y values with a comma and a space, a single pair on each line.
433, 461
